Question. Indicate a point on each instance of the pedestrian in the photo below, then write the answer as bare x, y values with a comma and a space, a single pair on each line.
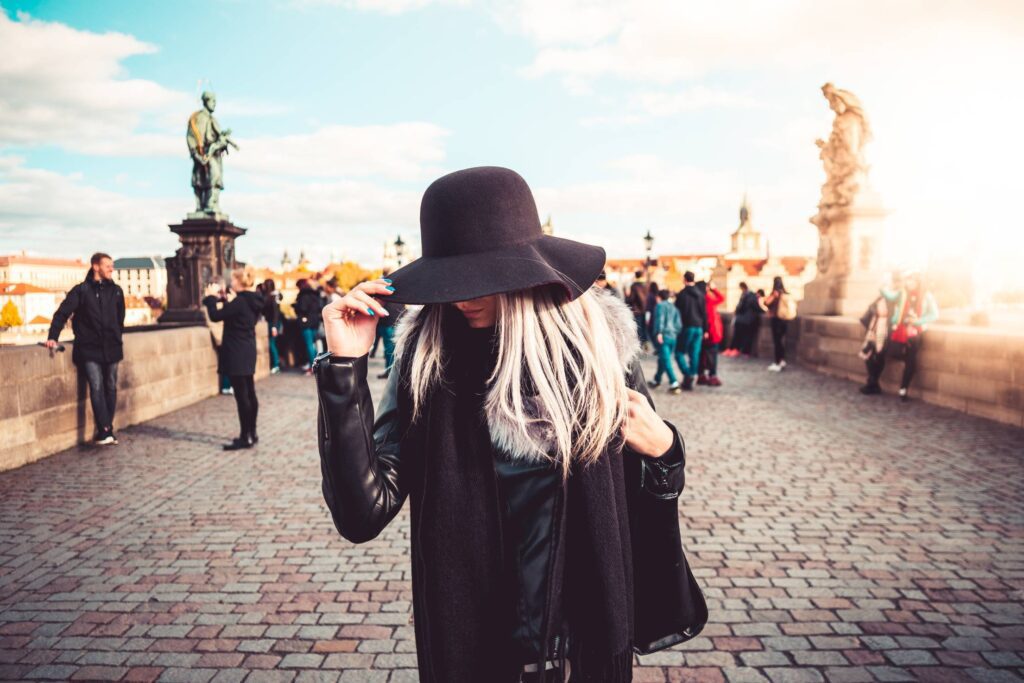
712, 336
307, 310
545, 530
272, 314
876, 325
913, 309
781, 309
665, 330
386, 333
331, 293
239, 309
652, 302
96, 309
603, 284
637, 302
693, 313
744, 319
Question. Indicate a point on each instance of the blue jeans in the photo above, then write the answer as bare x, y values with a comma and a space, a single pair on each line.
387, 334
275, 357
688, 350
666, 349
309, 338
102, 379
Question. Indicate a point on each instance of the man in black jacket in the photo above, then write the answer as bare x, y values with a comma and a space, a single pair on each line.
693, 311
96, 309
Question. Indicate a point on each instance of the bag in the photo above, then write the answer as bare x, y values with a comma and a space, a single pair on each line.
902, 333
786, 309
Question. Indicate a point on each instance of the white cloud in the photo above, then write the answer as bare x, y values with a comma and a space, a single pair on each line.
650, 104
54, 213
67, 87
401, 151
687, 208
382, 6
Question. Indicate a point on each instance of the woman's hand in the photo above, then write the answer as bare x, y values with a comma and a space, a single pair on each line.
350, 323
644, 431
212, 289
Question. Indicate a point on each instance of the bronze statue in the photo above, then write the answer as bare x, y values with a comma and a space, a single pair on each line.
207, 143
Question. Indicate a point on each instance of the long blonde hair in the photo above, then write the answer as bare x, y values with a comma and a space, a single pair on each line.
558, 382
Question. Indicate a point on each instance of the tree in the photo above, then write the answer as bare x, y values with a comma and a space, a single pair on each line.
10, 316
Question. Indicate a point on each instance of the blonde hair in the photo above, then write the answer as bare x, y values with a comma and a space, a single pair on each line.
245, 276
558, 382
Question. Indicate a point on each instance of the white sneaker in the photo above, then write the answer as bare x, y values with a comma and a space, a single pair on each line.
105, 441
774, 367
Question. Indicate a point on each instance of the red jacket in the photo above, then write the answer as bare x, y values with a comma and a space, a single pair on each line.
714, 298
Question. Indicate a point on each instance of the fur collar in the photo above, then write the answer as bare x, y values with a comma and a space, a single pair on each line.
534, 445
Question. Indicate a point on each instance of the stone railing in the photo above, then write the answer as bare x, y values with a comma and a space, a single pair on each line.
44, 405
979, 371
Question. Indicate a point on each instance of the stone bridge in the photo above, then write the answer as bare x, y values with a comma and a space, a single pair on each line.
838, 537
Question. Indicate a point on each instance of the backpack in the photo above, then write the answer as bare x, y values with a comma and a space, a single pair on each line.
787, 309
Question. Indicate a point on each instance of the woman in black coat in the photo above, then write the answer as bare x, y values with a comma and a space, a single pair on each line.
543, 486
237, 357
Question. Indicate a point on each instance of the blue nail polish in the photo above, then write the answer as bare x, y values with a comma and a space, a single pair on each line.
387, 280
370, 311
390, 289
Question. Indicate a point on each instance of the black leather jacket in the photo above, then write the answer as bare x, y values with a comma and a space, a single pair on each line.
362, 477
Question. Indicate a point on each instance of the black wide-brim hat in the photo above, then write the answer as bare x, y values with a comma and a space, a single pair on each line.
481, 235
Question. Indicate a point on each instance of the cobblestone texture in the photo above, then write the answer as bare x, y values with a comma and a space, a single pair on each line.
838, 538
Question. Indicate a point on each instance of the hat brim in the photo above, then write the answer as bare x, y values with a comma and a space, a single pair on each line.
545, 261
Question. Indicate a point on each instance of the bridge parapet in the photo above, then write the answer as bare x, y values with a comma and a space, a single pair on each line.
979, 371
44, 405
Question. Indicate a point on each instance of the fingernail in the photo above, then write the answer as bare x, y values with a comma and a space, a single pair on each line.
390, 289
387, 279
370, 311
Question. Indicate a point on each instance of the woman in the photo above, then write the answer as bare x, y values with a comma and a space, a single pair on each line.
913, 309
237, 356
712, 336
543, 486
777, 306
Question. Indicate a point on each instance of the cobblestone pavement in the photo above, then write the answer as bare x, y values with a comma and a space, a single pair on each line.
839, 538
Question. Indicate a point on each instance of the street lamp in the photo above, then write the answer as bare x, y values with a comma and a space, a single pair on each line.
399, 251
648, 245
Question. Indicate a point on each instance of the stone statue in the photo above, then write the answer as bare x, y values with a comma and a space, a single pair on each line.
842, 154
207, 143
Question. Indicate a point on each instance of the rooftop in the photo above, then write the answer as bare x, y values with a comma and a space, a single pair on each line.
142, 262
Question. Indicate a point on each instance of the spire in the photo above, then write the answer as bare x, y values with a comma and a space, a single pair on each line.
547, 228
744, 210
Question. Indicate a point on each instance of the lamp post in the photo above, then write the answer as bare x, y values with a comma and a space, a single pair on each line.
648, 245
399, 252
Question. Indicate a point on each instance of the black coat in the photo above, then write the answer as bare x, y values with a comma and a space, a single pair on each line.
747, 309
238, 349
370, 468
307, 307
692, 308
98, 310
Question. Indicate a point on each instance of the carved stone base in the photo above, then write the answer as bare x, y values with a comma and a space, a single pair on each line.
849, 262
206, 255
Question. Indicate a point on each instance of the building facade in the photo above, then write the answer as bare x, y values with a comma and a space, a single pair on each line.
748, 260
48, 273
142, 276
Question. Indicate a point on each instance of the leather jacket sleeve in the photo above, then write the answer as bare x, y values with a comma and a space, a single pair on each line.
662, 477
359, 456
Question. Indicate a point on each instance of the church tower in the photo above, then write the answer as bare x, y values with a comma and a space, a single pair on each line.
746, 240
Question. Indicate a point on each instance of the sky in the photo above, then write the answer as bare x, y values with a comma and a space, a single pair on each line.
624, 117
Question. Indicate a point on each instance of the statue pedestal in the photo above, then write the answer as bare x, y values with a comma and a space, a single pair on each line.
849, 261
207, 254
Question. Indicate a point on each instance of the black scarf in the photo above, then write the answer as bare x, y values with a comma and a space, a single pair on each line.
462, 599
